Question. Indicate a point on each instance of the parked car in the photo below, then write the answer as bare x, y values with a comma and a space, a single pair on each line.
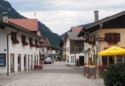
48, 60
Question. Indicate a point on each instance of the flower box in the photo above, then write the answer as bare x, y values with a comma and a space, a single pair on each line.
37, 46
36, 67
15, 41
32, 45
25, 43
112, 41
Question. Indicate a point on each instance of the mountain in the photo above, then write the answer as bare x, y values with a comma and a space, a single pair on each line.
63, 35
54, 38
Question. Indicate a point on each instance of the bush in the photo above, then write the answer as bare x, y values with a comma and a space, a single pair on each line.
115, 75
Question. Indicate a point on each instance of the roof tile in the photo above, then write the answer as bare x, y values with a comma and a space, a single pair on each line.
76, 29
30, 24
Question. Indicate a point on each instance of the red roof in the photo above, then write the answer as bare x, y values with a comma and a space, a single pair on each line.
45, 42
76, 29
30, 24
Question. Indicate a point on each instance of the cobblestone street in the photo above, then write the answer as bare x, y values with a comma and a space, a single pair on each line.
56, 74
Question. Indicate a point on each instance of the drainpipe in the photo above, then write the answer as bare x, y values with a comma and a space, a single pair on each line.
8, 62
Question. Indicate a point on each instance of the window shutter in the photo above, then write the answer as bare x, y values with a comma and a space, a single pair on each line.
108, 36
12, 36
117, 36
30, 41
36, 42
23, 39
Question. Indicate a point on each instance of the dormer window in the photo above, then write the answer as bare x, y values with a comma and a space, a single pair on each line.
14, 38
23, 37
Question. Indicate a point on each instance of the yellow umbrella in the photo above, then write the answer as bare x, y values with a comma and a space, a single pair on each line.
114, 50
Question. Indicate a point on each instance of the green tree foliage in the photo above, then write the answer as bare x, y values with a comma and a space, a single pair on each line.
115, 75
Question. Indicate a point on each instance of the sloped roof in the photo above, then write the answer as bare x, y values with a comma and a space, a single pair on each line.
2, 24
76, 29
97, 23
105, 19
45, 42
30, 24
73, 36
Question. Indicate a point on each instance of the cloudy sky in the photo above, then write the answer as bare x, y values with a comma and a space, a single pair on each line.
61, 15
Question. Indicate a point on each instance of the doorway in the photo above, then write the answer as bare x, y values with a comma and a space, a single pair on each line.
24, 61
11, 63
81, 60
28, 62
31, 61
19, 62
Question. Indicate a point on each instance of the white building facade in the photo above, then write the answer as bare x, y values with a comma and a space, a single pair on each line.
73, 49
15, 54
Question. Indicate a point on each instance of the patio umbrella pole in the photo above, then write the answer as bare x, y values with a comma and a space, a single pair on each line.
123, 59
108, 60
115, 59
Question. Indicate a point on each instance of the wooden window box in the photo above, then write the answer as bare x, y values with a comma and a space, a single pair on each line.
113, 41
25, 44
112, 37
37, 46
15, 41
32, 45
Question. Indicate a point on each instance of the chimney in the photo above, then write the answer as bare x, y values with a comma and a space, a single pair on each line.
96, 16
5, 17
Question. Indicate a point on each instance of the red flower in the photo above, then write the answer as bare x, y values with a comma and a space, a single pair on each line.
32, 45
37, 46
15, 41
25, 43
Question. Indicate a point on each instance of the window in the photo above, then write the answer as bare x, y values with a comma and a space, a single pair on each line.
112, 37
36, 42
119, 59
87, 38
31, 42
67, 49
23, 37
67, 59
14, 38
104, 60
73, 59
56, 51
2, 59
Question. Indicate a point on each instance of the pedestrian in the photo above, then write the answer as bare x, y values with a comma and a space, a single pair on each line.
77, 61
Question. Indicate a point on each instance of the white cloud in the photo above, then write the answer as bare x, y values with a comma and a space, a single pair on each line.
60, 15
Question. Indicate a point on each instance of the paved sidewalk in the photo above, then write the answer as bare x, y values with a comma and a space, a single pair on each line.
13, 76
98, 81
56, 74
